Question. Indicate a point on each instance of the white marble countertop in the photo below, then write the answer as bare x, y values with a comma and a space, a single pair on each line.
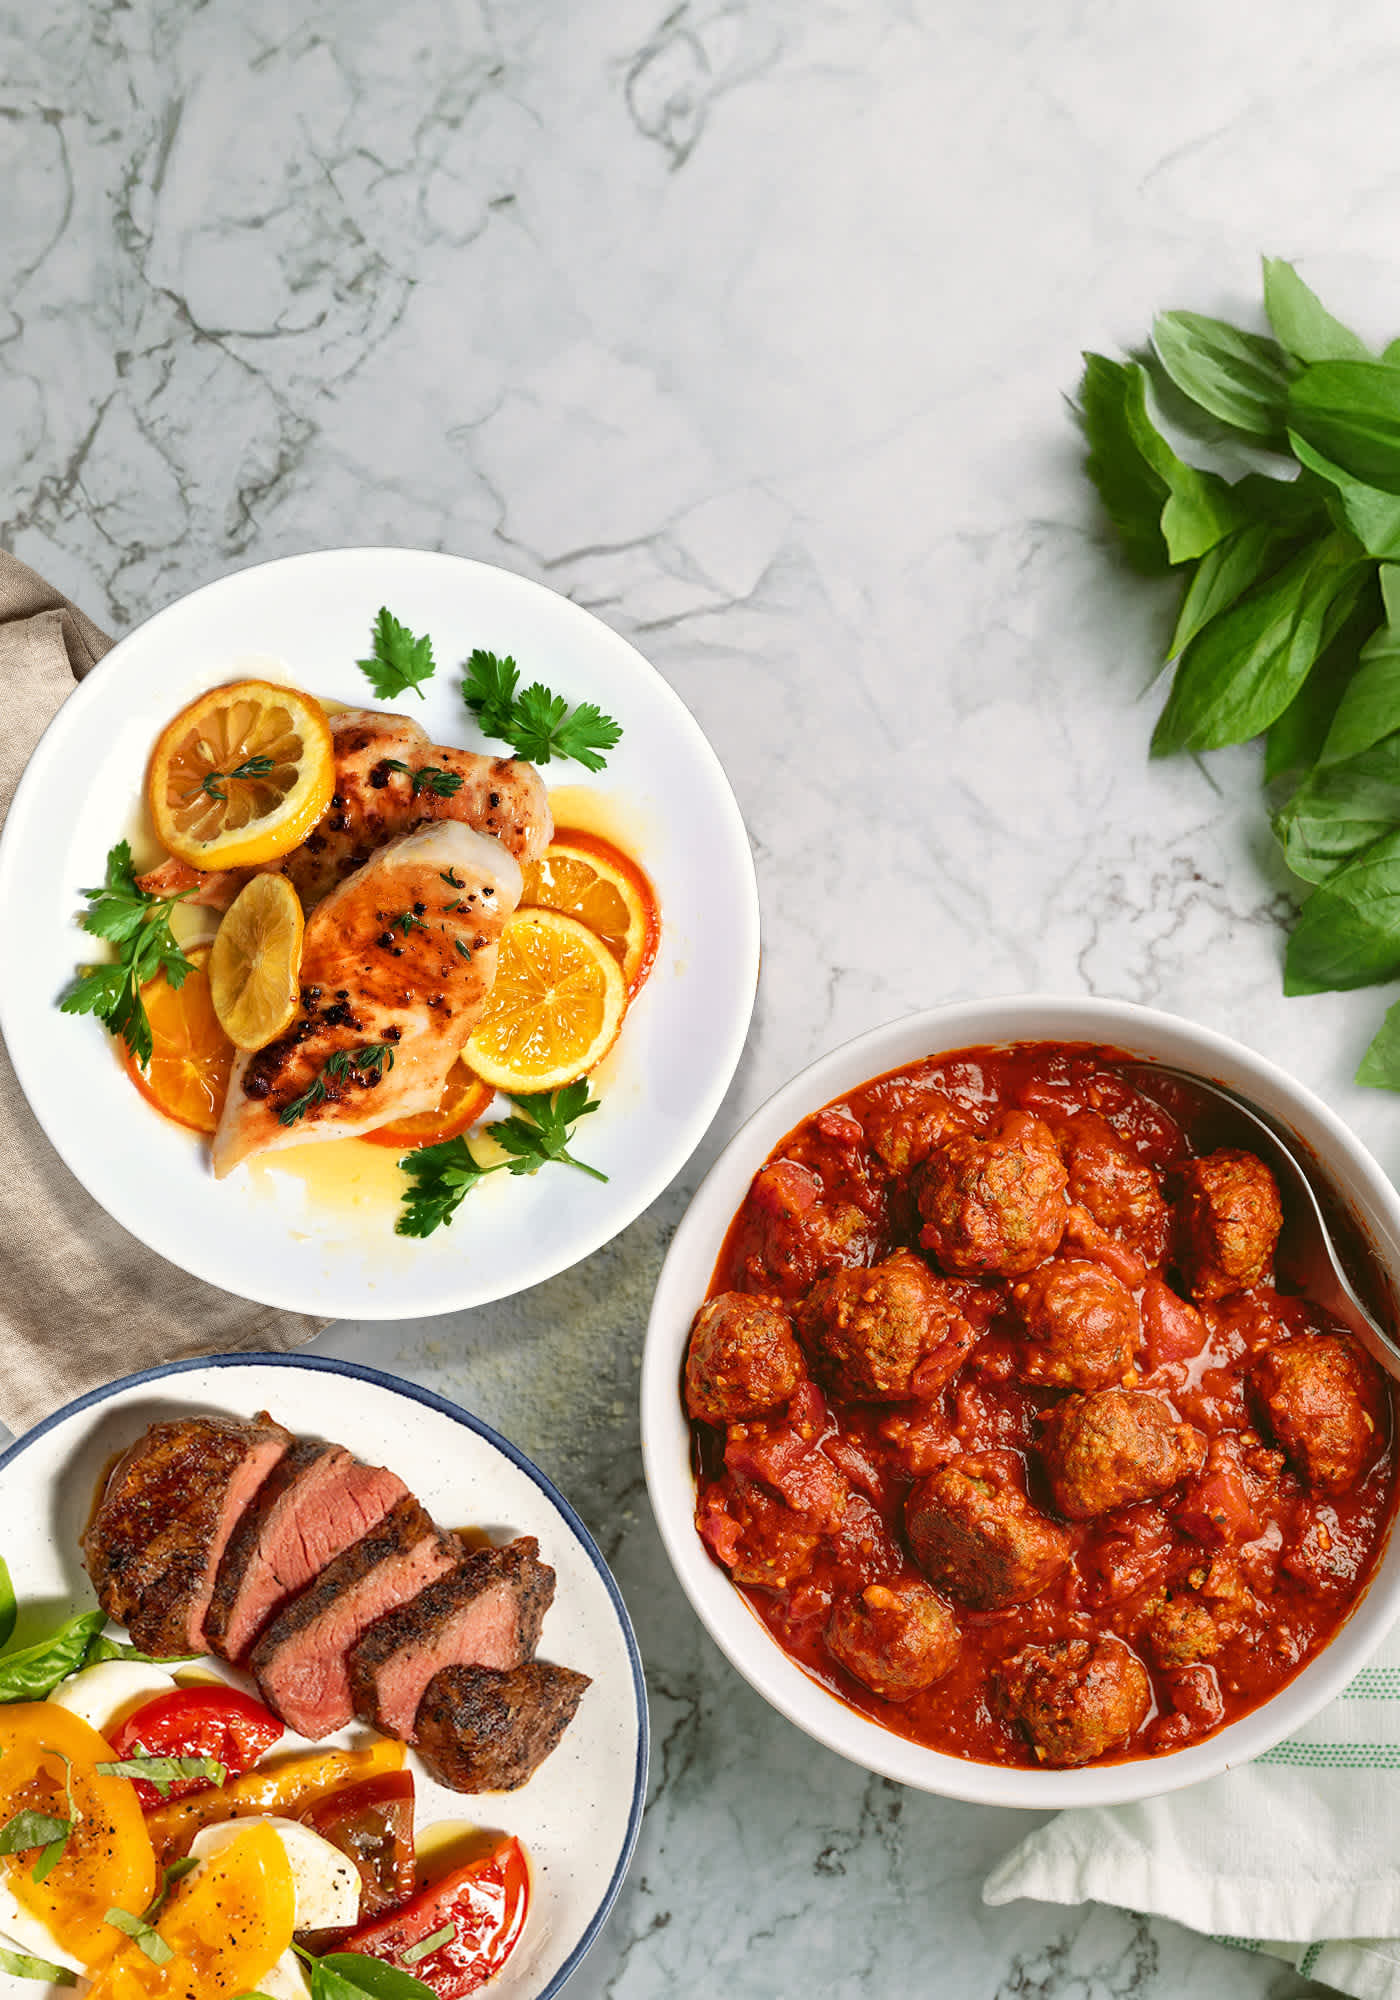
748, 324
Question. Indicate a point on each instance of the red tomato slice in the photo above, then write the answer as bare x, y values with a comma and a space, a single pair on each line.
216, 1722
483, 1905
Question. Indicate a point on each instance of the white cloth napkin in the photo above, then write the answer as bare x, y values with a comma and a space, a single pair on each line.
1295, 1854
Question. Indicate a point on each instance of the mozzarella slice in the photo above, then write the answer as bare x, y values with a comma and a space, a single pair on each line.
286, 1980
23, 1931
327, 1882
105, 1694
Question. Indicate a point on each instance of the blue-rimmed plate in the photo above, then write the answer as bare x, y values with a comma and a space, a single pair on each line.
578, 1816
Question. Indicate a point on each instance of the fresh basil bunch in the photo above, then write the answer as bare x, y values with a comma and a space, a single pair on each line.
1289, 625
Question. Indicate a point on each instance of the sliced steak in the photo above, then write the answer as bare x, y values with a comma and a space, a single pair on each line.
300, 1659
487, 1613
319, 1500
168, 1509
482, 1731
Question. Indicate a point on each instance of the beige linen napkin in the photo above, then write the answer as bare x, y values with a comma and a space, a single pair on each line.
80, 1300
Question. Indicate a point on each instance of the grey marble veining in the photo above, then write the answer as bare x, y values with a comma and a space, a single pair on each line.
747, 324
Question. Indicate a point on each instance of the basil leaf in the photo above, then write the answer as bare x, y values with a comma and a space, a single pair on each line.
142, 1935
49, 1859
21, 1965
1199, 508
9, 1609
1369, 710
1240, 673
425, 1947
35, 1671
176, 1872
1165, 510
1372, 516
1303, 324
163, 1771
1349, 412
1380, 1065
1223, 574
356, 1973
1295, 741
32, 1829
103, 1648
1241, 378
1132, 494
1340, 810
1348, 933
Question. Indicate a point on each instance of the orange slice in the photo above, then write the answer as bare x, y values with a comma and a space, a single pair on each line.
255, 963
555, 1008
187, 1077
465, 1098
588, 878
241, 775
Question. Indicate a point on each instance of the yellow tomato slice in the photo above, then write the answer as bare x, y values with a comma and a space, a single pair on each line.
282, 1788
108, 1858
226, 1925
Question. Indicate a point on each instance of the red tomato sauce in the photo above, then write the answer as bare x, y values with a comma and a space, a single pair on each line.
1278, 1567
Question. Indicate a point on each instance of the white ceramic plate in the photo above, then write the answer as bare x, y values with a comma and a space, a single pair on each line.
685, 1280
265, 1233
579, 1814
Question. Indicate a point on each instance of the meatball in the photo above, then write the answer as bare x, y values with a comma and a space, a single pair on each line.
742, 1361
1228, 1218
1120, 1445
1075, 1699
1181, 1631
994, 1206
896, 1637
904, 1121
789, 1231
1325, 1405
1081, 1325
1119, 1190
758, 1537
975, 1536
884, 1333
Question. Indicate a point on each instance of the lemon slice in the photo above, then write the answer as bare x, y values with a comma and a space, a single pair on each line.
588, 878
555, 1008
255, 963
241, 775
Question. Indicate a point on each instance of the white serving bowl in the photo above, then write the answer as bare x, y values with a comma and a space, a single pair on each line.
685, 1279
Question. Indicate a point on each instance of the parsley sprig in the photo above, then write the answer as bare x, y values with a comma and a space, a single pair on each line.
538, 1133
374, 1059
399, 661
137, 924
538, 724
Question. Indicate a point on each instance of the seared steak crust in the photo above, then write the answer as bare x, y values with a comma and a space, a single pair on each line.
483, 1731
300, 1660
318, 1501
167, 1512
487, 1612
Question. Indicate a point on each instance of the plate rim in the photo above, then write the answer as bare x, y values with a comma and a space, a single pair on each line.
378, 1378
744, 939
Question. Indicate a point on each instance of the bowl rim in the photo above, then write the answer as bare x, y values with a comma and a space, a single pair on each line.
726, 1613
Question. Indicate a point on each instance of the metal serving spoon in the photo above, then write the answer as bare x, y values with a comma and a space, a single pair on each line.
1306, 1255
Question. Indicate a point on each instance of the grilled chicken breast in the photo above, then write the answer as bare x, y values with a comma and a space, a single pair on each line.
401, 958
373, 803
